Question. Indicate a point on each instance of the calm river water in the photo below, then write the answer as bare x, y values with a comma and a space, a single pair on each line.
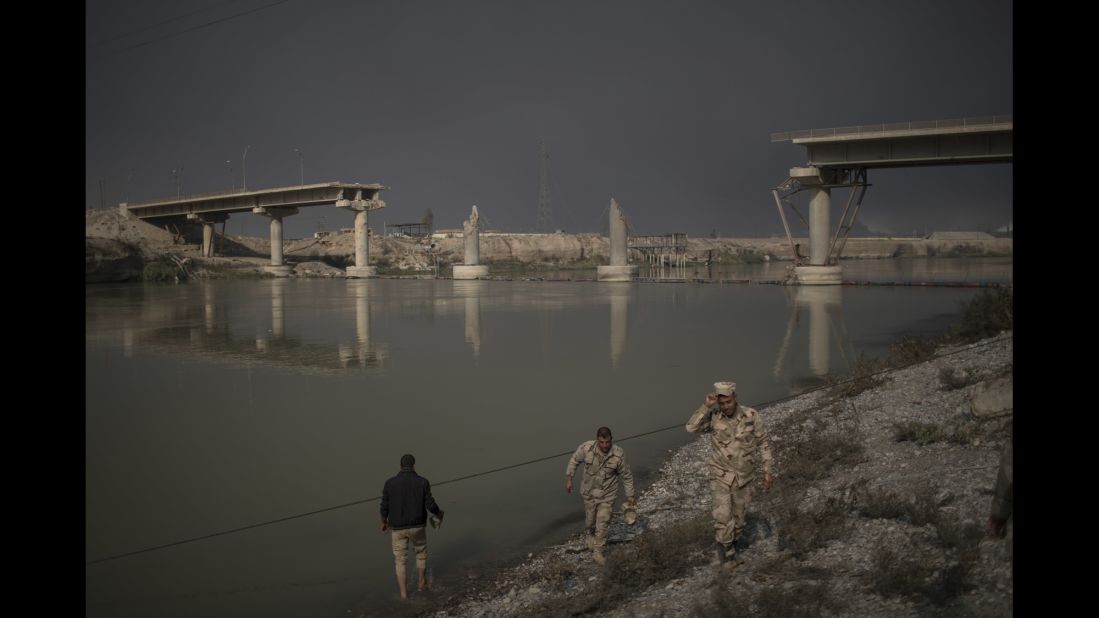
215, 405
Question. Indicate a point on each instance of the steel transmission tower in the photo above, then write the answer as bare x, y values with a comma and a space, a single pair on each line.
545, 208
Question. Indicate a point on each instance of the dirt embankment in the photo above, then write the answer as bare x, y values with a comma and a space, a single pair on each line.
882, 491
119, 247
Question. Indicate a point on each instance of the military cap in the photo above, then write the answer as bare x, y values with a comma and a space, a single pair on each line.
725, 388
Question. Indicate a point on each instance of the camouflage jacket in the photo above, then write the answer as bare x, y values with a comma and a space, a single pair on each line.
735, 441
601, 472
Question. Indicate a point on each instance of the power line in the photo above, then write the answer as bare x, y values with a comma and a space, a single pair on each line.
204, 25
512, 466
159, 23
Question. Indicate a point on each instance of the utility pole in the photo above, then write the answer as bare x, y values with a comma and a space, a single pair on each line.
545, 208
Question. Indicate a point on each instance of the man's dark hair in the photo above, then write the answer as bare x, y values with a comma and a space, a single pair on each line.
407, 461
603, 432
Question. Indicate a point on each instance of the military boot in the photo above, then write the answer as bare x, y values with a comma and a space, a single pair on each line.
732, 557
719, 553
597, 556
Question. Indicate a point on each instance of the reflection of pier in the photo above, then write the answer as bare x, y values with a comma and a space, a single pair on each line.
471, 290
620, 304
366, 354
201, 329
825, 311
666, 249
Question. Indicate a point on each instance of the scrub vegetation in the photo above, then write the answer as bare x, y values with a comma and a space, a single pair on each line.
657, 556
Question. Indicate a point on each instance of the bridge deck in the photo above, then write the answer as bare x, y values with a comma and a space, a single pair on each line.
329, 193
987, 139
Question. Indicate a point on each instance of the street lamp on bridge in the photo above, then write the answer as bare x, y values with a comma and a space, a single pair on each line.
244, 169
177, 173
301, 163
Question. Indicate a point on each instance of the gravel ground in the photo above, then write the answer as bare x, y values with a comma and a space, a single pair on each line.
937, 560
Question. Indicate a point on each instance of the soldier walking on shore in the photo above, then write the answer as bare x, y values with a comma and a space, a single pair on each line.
603, 463
736, 435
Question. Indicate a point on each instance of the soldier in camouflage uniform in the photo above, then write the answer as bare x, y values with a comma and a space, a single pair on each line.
736, 435
603, 463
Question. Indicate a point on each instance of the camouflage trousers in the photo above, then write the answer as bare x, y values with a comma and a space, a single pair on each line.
401, 539
597, 517
730, 507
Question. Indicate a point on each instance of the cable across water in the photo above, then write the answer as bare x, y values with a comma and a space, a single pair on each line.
502, 468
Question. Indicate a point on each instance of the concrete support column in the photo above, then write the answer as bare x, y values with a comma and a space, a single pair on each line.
618, 270
819, 205
471, 236
277, 267
276, 241
207, 239
618, 235
208, 222
818, 271
362, 239
472, 246
362, 267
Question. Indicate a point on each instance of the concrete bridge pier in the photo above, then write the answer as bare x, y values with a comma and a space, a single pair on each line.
362, 268
208, 221
471, 235
819, 271
276, 214
618, 270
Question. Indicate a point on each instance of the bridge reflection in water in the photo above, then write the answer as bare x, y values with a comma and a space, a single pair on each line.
218, 337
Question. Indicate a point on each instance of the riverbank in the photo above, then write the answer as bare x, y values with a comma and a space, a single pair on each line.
882, 490
123, 248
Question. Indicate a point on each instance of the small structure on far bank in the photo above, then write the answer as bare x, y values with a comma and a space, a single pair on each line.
471, 268
618, 270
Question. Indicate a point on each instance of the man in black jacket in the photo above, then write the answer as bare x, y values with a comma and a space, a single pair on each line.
406, 499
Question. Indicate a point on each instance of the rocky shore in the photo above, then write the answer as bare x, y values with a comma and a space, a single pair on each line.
881, 497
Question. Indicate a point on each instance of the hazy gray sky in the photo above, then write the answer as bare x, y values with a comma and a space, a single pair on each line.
667, 106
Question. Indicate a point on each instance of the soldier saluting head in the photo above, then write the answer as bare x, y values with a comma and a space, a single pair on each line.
736, 435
